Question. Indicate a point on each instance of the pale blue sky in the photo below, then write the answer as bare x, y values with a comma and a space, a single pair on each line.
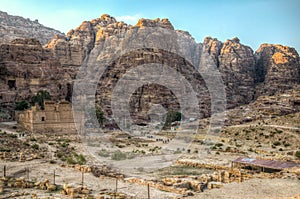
254, 22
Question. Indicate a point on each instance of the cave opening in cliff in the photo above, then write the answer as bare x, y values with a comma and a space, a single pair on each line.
69, 92
11, 84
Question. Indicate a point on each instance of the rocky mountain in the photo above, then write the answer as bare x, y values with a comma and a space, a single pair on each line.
247, 75
277, 68
236, 62
12, 27
26, 66
72, 49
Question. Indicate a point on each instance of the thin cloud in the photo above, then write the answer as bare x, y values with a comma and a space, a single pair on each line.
130, 19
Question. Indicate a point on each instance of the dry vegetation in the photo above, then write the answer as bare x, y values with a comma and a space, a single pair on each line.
205, 164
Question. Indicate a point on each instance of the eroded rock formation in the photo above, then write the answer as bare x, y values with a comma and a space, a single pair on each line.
72, 49
26, 67
12, 27
236, 62
277, 68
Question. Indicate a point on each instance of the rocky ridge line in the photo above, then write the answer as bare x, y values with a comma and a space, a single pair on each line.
13, 27
246, 74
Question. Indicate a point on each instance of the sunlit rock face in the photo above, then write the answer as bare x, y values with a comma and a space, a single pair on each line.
277, 68
247, 75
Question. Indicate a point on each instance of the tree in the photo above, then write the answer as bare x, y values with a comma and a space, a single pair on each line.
90, 113
40, 97
20, 106
100, 115
172, 116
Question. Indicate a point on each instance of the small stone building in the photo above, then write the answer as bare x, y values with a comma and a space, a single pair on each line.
56, 117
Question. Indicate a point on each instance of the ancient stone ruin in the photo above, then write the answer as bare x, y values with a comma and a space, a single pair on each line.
56, 117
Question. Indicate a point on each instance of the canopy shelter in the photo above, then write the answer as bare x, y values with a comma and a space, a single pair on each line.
263, 164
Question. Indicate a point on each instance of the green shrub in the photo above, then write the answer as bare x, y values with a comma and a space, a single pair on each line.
59, 154
173, 116
278, 131
64, 144
297, 154
120, 146
80, 158
35, 146
261, 134
118, 155
76, 159
276, 143
52, 161
70, 160
287, 144
4, 150
219, 144
12, 135
40, 97
103, 153
20, 106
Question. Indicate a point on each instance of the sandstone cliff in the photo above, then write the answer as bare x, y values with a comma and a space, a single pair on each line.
72, 49
248, 75
12, 27
277, 68
28, 67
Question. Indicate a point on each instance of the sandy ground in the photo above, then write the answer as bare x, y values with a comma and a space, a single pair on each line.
40, 171
250, 189
255, 189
